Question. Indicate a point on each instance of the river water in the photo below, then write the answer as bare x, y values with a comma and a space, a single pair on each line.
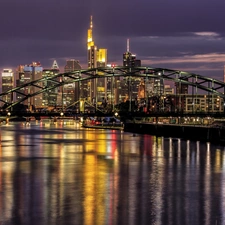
61, 173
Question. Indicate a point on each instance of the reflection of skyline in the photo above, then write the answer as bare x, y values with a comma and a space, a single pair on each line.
110, 177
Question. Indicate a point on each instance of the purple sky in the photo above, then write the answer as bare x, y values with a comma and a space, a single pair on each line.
176, 34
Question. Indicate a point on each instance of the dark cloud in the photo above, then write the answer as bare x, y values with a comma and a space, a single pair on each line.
43, 30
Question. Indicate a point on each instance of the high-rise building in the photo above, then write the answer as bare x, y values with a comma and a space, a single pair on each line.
20, 80
129, 59
158, 86
72, 65
50, 97
96, 89
7, 84
96, 57
131, 86
55, 65
26, 74
71, 92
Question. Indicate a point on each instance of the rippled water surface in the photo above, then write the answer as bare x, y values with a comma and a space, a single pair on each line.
61, 173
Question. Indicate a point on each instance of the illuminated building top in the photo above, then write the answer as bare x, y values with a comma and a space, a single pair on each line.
90, 41
55, 65
96, 57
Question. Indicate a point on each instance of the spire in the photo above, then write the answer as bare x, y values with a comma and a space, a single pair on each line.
55, 65
128, 45
91, 24
90, 41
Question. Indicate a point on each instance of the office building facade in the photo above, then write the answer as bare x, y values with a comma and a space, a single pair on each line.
26, 74
71, 92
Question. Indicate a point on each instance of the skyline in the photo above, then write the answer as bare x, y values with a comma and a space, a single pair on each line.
169, 34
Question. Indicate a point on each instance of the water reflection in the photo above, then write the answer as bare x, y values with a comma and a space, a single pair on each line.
63, 174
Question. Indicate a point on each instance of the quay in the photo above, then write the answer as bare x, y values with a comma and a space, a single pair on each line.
111, 127
206, 133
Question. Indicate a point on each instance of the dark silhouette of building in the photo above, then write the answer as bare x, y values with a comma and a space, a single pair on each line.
129, 59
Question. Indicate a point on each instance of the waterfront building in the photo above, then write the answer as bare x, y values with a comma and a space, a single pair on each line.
198, 103
95, 90
7, 84
203, 103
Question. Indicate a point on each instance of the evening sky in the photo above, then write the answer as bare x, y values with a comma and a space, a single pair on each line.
187, 35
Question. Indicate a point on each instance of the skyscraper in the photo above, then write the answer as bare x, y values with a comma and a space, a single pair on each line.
129, 59
71, 91
96, 89
96, 57
131, 86
55, 65
72, 65
26, 74
50, 97
7, 84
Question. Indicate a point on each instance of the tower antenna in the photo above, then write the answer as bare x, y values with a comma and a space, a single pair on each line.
91, 24
128, 45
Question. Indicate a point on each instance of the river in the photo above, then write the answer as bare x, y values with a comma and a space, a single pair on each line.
60, 173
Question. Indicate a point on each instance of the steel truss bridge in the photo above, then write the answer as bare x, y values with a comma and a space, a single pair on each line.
207, 85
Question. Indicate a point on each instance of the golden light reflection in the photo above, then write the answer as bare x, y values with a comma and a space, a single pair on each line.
207, 181
188, 152
72, 171
218, 161
90, 178
179, 151
198, 154
170, 148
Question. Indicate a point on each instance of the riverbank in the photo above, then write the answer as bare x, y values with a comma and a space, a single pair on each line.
100, 126
188, 132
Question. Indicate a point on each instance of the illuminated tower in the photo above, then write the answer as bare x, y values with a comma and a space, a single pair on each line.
92, 49
96, 89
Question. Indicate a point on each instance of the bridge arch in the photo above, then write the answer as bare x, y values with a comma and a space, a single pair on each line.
206, 85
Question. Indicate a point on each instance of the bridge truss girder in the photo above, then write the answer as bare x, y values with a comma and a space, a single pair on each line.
207, 84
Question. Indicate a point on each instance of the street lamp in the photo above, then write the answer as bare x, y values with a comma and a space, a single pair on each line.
7, 119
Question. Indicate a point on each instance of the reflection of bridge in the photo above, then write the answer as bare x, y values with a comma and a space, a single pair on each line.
197, 84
